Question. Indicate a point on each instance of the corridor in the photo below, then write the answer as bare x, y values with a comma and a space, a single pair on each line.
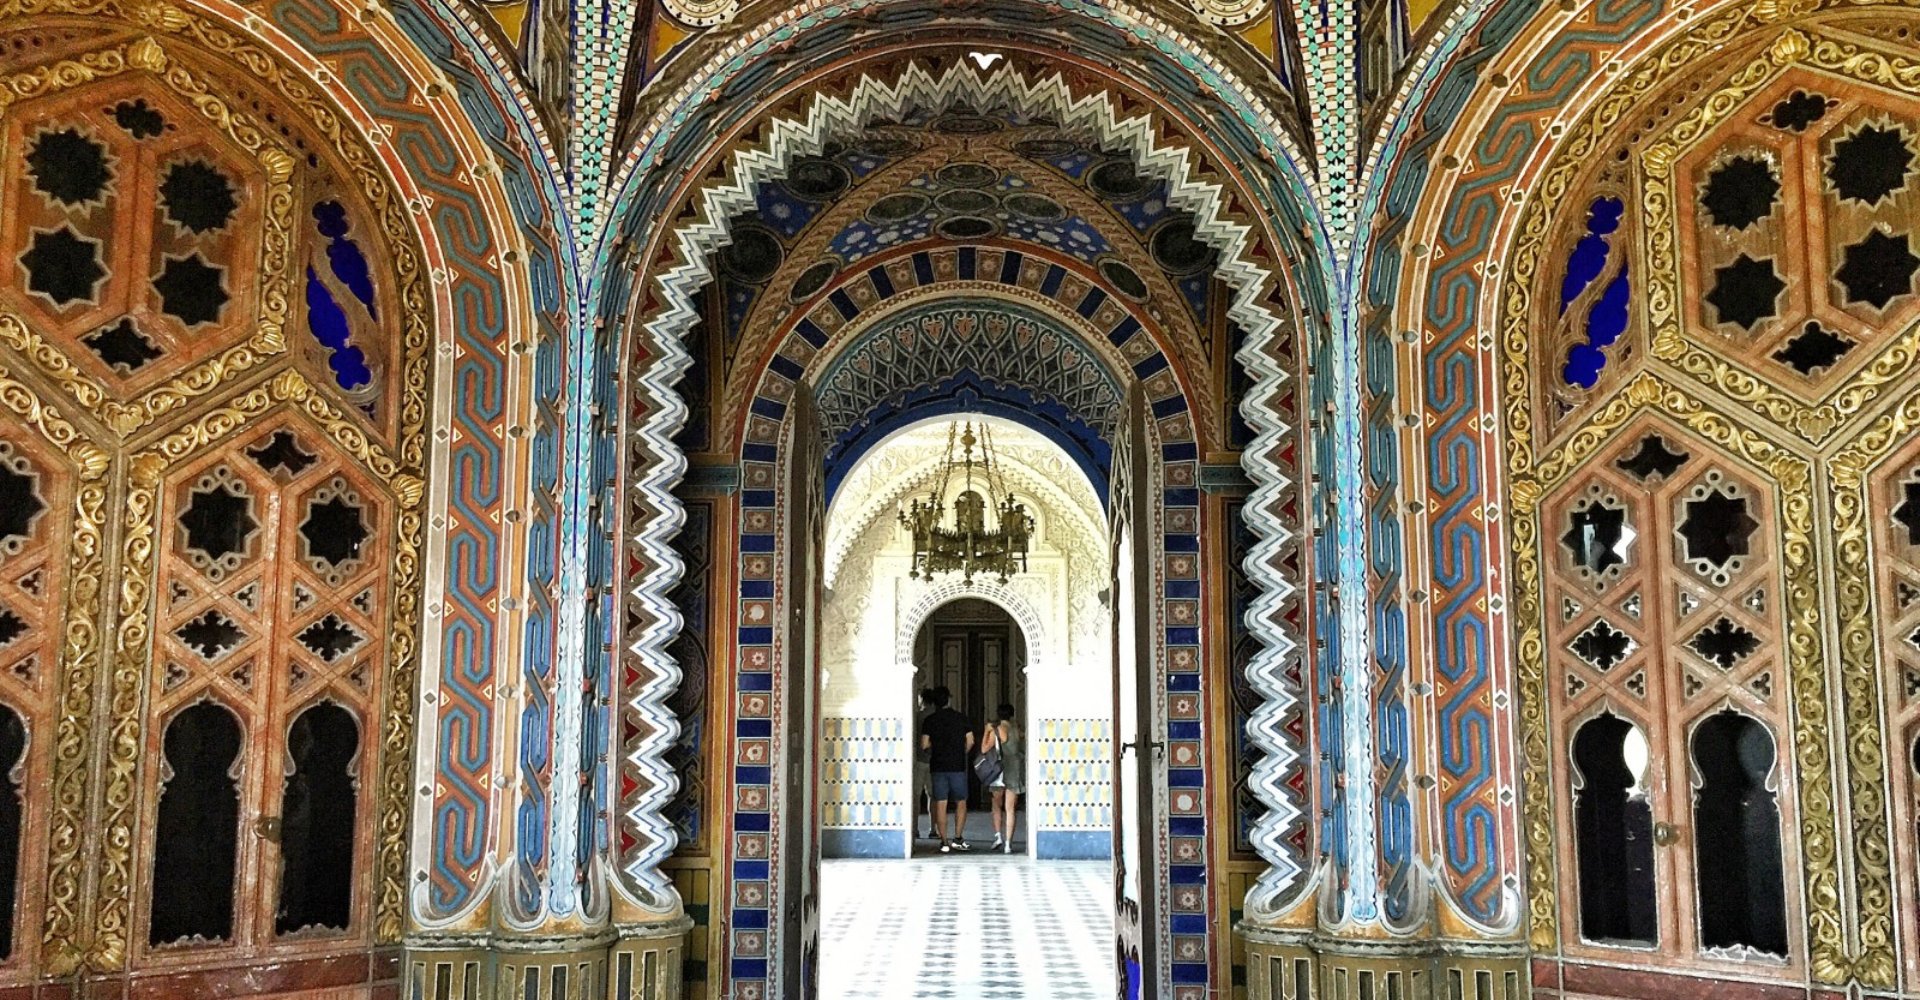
974, 926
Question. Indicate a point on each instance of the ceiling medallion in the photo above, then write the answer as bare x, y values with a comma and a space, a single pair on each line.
968, 545
1229, 13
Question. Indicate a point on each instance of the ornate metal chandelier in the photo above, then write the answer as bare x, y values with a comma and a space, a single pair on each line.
968, 545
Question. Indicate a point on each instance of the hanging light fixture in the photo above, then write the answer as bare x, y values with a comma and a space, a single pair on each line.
968, 545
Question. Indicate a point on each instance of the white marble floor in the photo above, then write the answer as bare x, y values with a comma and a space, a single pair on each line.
975, 926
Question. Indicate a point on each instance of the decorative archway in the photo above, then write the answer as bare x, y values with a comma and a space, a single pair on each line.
701, 160
1597, 404
946, 592
296, 224
954, 86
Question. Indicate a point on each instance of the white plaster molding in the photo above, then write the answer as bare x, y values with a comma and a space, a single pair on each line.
1003, 595
907, 462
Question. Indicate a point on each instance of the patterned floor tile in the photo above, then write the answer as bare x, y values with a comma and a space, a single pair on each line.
977, 926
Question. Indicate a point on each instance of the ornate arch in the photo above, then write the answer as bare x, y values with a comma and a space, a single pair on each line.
1422, 309
996, 353
693, 247
405, 208
760, 662
1547, 134
991, 591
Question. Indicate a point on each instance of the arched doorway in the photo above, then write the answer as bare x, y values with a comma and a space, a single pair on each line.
1040, 641
782, 308
974, 649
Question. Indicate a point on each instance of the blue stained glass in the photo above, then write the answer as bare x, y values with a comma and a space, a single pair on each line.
343, 255
1606, 321
328, 323
1589, 256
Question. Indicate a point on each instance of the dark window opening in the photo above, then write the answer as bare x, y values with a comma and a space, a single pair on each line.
1717, 529
1740, 192
317, 821
1737, 837
197, 830
13, 747
219, 522
1653, 460
1745, 291
1595, 535
1614, 833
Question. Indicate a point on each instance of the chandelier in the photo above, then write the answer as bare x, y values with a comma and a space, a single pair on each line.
968, 545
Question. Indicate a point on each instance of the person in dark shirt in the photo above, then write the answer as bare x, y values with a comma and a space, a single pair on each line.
948, 740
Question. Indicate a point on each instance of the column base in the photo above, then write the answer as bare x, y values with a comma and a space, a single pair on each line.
630, 962
647, 959
1298, 965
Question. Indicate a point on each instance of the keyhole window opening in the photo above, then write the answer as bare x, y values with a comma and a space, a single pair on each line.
317, 821
1738, 868
13, 752
197, 828
1614, 834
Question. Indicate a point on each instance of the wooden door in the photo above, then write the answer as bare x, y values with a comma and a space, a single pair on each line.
1136, 862
800, 686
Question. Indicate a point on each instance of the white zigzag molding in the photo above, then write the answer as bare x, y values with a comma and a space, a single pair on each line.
698, 241
703, 84
1266, 672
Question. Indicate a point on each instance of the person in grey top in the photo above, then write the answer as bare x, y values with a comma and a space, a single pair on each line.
1004, 735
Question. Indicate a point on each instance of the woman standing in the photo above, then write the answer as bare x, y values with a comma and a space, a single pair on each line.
1004, 735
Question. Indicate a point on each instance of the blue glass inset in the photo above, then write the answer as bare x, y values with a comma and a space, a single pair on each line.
1589, 256
343, 254
1606, 321
328, 324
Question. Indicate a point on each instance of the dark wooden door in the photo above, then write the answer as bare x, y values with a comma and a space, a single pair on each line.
800, 820
977, 650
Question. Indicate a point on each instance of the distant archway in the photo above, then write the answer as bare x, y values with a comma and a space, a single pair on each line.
946, 592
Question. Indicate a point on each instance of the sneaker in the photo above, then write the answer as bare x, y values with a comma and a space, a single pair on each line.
962, 845
946, 848
1007, 848
998, 842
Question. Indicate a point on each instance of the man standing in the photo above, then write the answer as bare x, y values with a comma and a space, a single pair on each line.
948, 739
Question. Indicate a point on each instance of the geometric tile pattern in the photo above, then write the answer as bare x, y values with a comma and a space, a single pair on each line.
1075, 777
863, 771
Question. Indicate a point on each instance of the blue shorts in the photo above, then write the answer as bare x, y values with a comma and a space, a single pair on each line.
949, 786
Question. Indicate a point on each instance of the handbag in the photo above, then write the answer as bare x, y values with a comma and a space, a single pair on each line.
988, 767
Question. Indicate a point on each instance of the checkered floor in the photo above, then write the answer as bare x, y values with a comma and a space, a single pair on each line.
974, 926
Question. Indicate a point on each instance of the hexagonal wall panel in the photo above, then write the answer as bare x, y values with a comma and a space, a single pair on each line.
133, 229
